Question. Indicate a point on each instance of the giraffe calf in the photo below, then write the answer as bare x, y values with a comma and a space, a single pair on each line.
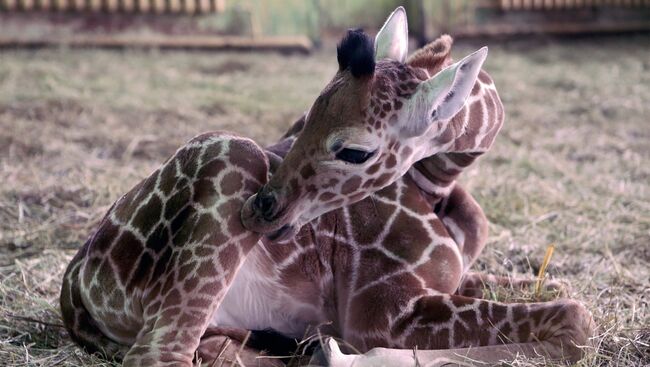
361, 227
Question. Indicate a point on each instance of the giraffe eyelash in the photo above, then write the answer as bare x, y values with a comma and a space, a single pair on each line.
338, 145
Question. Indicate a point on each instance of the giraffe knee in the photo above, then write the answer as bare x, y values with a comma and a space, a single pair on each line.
246, 160
570, 327
583, 326
244, 154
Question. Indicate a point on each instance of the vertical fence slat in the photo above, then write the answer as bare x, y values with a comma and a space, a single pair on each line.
27, 5
9, 4
79, 5
204, 6
528, 4
128, 6
189, 6
219, 6
44, 4
144, 6
61, 5
158, 6
174, 6
112, 6
95, 5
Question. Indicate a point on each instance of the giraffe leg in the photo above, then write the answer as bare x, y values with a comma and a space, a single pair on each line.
556, 329
468, 226
78, 321
172, 332
465, 222
207, 245
480, 285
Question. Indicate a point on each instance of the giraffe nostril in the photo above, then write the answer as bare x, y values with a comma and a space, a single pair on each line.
265, 203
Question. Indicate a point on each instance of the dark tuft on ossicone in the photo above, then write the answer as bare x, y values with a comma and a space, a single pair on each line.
356, 51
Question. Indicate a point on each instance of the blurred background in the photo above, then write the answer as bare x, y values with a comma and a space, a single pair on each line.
304, 23
95, 94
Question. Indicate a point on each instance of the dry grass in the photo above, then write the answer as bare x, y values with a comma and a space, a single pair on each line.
79, 128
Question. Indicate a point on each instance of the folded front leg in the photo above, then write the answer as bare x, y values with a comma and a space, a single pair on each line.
224, 347
553, 329
480, 285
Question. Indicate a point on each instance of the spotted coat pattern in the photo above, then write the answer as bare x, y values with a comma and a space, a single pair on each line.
168, 264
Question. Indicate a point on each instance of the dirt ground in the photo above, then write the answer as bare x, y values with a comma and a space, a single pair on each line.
571, 166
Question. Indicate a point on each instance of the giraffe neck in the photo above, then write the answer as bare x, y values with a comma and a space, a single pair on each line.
467, 135
346, 252
436, 175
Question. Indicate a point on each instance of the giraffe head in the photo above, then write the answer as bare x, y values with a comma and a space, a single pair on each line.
375, 118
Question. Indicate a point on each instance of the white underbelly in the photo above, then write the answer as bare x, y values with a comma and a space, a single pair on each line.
257, 301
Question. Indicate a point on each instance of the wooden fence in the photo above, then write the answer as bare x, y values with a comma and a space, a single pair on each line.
487, 18
120, 21
313, 18
116, 6
570, 4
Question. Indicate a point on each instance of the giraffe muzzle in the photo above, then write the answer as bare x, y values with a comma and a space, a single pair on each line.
265, 213
265, 205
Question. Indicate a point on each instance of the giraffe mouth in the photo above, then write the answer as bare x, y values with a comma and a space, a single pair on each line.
285, 232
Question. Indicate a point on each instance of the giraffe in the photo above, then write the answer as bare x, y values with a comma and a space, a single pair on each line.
382, 117
174, 268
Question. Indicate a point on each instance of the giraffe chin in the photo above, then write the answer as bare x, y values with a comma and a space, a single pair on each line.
285, 232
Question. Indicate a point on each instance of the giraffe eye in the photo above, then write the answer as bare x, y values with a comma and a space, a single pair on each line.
353, 155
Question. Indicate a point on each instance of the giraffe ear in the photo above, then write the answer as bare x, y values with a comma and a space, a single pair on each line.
443, 95
392, 40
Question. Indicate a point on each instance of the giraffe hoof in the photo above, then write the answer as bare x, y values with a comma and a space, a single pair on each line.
327, 354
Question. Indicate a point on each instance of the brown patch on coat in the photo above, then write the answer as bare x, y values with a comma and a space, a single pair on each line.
148, 215
125, 253
231, 183
351, 185
371, 309
407, 238
212, 168
443, 276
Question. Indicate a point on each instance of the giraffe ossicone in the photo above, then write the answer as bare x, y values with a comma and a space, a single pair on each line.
384, 236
